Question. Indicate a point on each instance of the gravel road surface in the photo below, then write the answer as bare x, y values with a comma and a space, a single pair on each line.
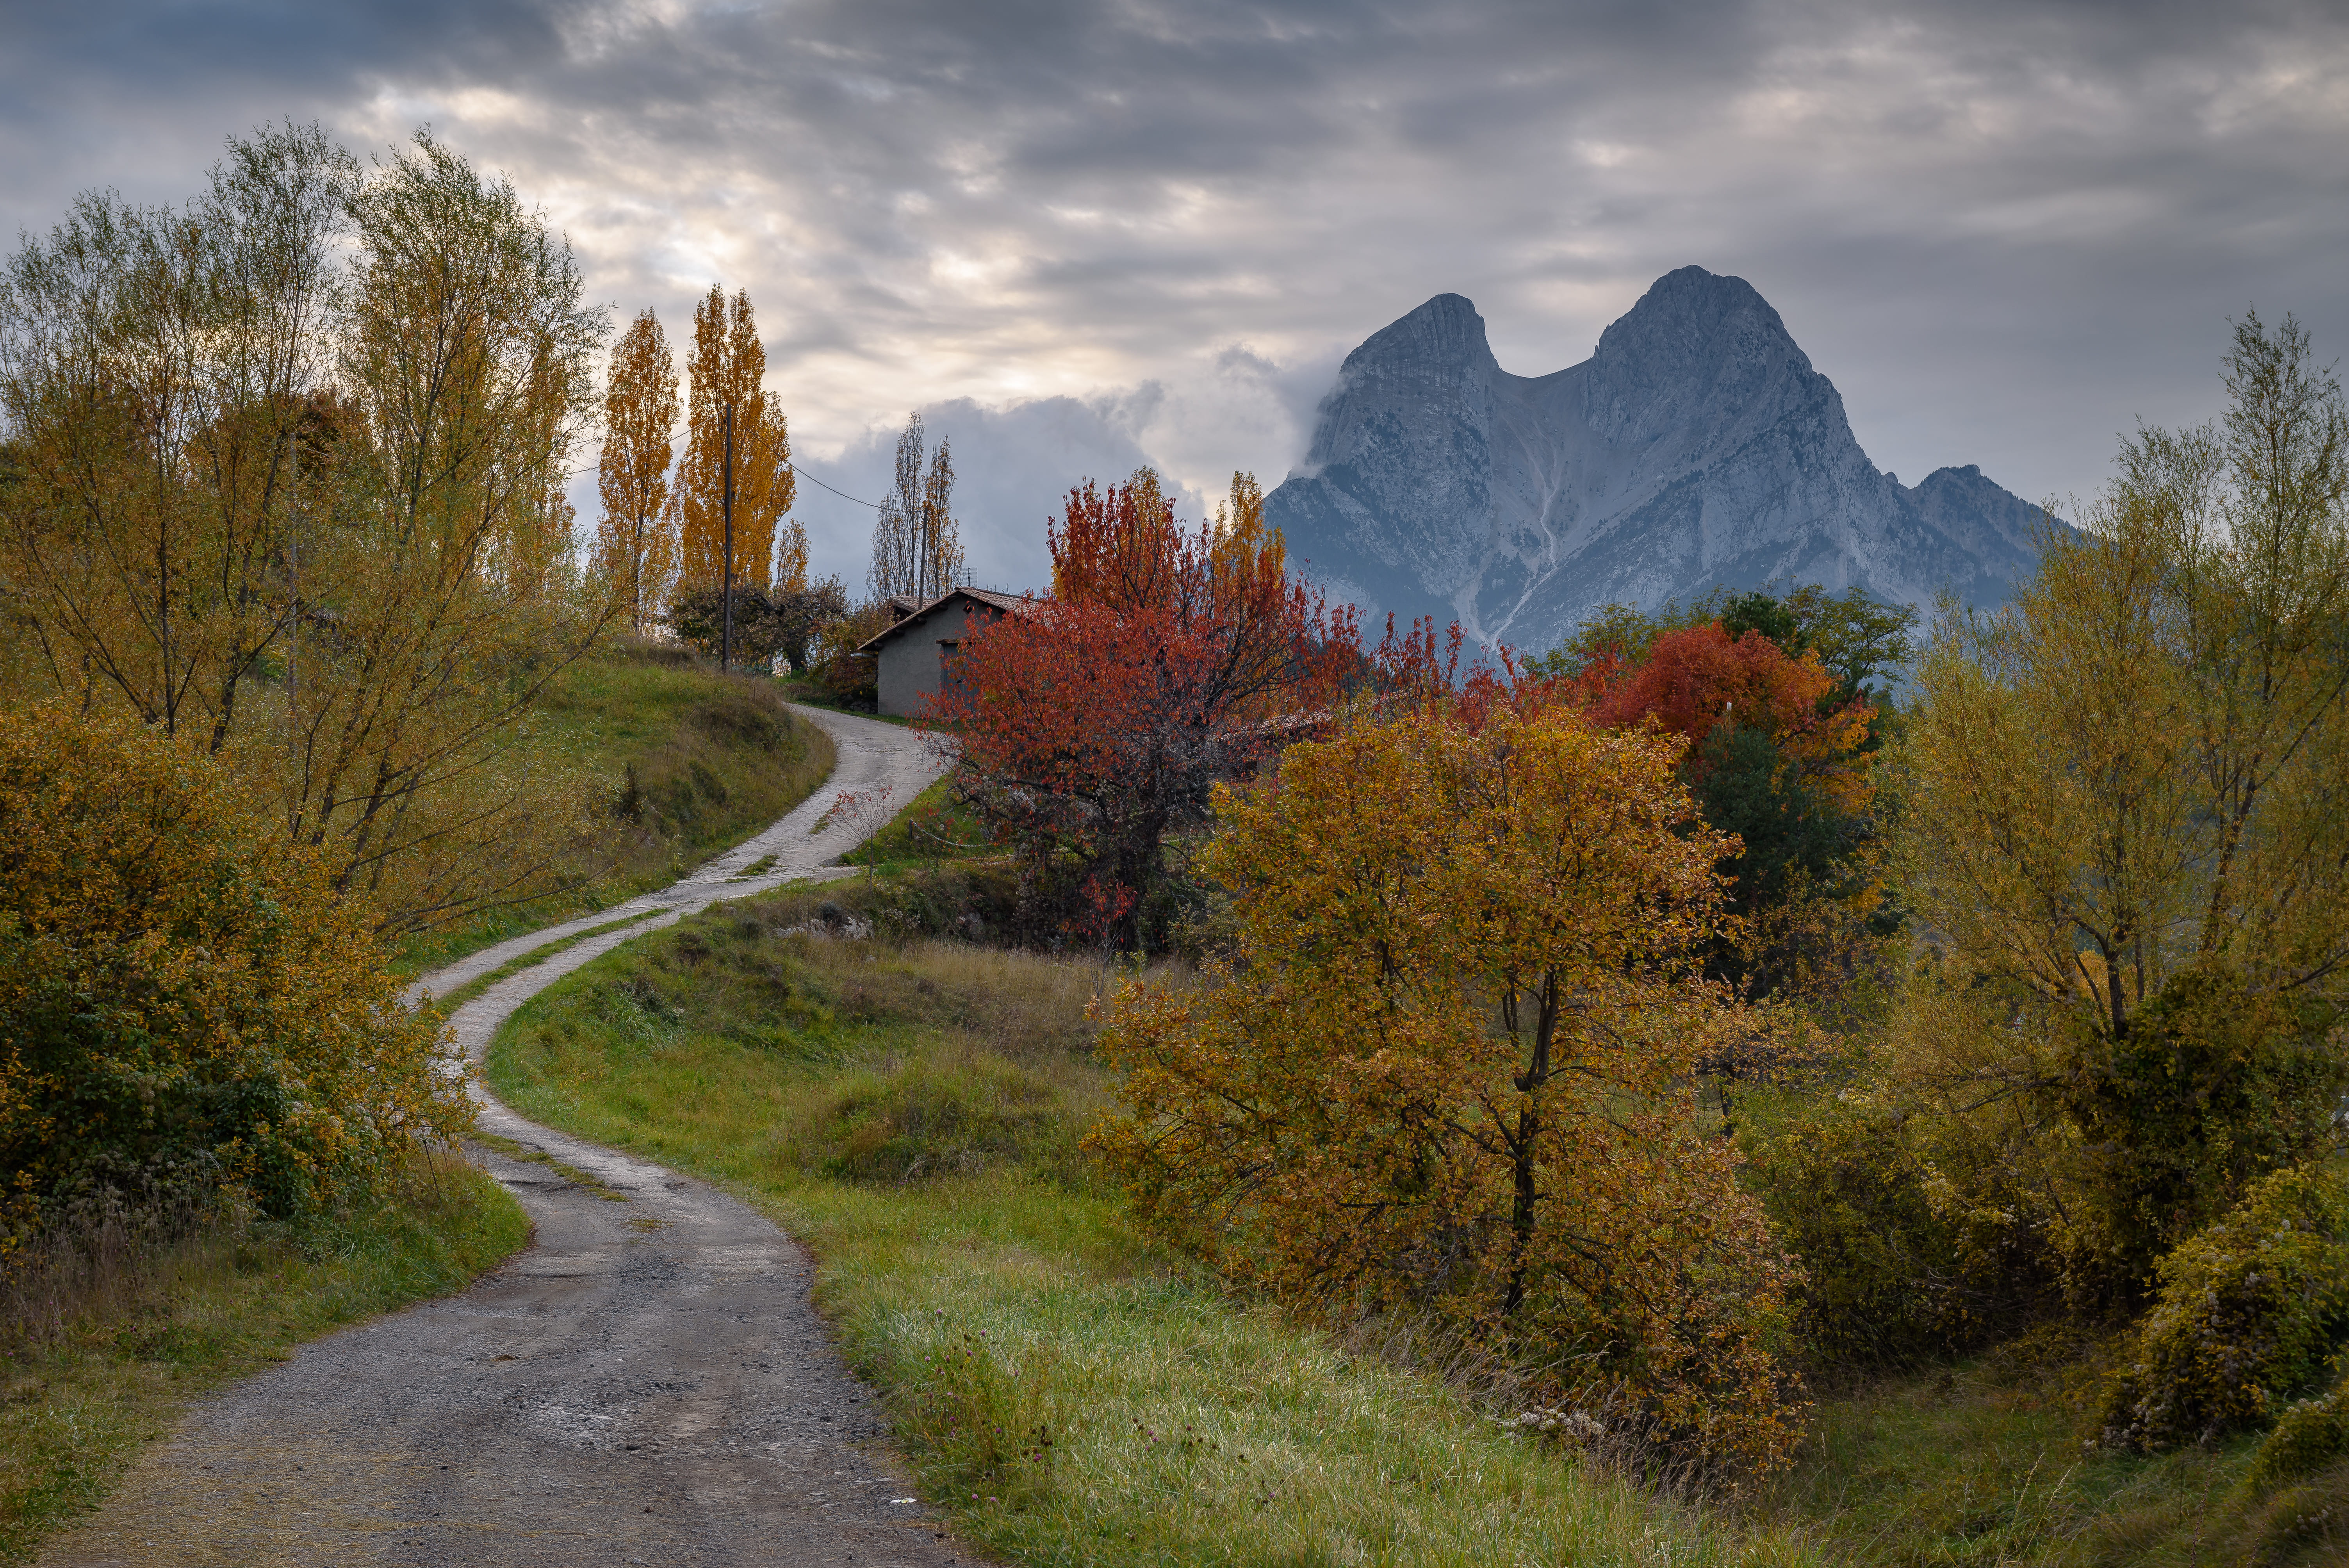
646, 1384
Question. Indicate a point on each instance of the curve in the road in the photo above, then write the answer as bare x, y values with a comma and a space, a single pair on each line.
646, 1384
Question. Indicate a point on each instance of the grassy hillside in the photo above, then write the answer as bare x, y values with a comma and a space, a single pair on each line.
686, 763
932, 827
911, 1108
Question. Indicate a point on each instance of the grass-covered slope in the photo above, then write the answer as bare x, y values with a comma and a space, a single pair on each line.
685, 762
930, 828
910, 1108
103, 1342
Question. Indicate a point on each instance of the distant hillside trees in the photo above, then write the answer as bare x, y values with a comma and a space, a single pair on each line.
291, 463
1780, 695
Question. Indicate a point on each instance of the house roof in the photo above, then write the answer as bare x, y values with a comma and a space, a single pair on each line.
1004, 604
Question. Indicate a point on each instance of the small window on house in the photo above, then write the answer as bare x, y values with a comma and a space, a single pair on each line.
949, 665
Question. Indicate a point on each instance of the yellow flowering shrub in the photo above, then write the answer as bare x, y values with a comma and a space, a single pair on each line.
1449, 1069
184, 1000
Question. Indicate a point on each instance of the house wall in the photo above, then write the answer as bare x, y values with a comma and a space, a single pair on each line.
912, 670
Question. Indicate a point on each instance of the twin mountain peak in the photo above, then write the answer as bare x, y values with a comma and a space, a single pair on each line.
1697, 448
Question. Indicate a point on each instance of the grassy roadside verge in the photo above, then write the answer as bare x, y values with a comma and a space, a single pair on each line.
101, 1366
932, 827
1069, 1394
691, 763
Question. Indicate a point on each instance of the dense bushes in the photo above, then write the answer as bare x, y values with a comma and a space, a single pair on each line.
186, 1004
1853, 1200
2248, 1311
2309, 1436
2215, 1086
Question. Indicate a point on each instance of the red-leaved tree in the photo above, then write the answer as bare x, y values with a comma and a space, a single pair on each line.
1696, 679
1169, 659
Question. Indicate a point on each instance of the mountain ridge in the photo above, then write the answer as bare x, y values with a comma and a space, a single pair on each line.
1697, 446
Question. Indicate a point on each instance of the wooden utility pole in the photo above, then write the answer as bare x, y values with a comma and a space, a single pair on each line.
726, 505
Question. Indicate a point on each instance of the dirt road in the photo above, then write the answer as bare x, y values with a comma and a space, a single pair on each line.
646, 1384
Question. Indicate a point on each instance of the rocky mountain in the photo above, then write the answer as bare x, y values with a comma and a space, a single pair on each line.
1696, 448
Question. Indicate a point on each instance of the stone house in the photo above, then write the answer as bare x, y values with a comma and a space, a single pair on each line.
917, 652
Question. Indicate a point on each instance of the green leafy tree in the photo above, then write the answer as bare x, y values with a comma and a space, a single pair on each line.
2130, 791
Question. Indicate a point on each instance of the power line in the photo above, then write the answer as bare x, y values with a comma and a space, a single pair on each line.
841, 493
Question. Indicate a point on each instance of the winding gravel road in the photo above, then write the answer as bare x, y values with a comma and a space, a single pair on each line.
646, 1384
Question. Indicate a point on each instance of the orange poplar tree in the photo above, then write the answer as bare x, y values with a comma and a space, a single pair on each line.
1450, 1068
729, 365
635, 545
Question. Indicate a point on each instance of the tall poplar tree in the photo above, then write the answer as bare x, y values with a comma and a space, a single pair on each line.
727, 365
916, 543
636, 541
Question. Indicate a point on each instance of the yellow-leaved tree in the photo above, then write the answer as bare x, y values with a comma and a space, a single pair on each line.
1450, 1068
727, 368
635, 545
2125, 829
288, 472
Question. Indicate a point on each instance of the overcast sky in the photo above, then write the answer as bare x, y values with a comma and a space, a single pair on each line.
1079, 234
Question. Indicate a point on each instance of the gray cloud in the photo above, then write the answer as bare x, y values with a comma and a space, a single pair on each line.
2005, 229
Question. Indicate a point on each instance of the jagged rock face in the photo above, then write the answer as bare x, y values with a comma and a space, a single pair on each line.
1696, 448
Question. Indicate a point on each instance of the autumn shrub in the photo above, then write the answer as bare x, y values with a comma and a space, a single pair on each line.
1883, 1281
187, 1004
1448, 1070
2248, 1312
2309, 1436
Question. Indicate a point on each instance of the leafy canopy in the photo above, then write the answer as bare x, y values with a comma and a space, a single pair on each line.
1449, 1068
2131, 791
185, 1002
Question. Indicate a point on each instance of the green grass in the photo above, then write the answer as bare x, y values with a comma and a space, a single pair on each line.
691, 763
458, 996
932, 827
1983, 1464
98, 1360
1069, 1393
